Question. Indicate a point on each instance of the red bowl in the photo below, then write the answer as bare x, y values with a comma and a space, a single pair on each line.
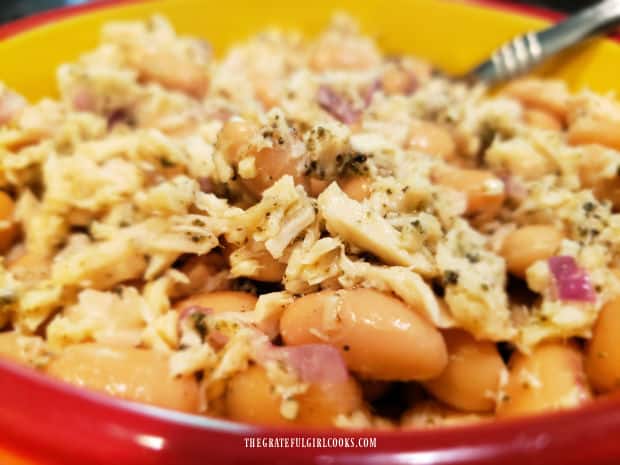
56, 424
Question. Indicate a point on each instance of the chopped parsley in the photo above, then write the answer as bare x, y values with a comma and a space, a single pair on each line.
472, 257
166, 163
589, 207
450, 277
200, 324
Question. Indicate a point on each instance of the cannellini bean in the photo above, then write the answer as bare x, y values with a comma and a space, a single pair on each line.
234, 138
519, 158
542, 119
7, 234
378, 335
266, 91
316, 186
251, 398
356, 187
484, 191
432, 139
592, 164
170, 70
471, 379
344, 52
550, 378
333, 58
550, 96
200, 270
270, 163
528, 244
595, 131
397, 80
269, 269
132, 374
603, 352
220, 301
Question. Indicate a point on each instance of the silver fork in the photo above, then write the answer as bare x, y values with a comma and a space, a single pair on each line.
526, 51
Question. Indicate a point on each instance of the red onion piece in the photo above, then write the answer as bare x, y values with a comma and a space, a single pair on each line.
119, 116
313, 363
337, 106
570, 281
317, 363
10, 105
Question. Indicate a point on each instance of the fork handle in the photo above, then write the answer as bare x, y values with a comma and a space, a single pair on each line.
574, 29
526, 51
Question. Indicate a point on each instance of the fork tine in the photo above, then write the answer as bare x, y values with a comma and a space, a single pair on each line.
525, 51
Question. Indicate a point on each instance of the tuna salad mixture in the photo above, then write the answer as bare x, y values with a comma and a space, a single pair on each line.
309, 232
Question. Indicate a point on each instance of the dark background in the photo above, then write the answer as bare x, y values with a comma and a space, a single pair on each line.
13, 9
